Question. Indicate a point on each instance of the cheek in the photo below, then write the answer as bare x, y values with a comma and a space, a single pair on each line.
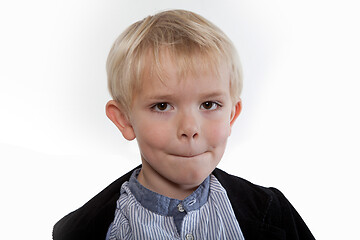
152, 134
217, 134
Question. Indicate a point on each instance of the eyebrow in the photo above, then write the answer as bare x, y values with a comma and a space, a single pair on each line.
171, 96
213, 94
160, 97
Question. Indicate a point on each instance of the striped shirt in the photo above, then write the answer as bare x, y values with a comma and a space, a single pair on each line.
143, 214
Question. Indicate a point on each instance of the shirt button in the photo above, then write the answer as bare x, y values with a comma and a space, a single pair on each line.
180, 207
189, 236
192, 202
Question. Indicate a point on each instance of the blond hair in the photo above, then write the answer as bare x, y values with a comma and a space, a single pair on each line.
192, 41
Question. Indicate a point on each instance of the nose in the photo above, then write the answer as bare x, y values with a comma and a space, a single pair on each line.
188, 126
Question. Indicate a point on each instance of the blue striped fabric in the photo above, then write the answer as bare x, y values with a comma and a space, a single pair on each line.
213, 220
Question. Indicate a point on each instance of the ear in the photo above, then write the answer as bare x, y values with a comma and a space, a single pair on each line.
118, 117
235, 112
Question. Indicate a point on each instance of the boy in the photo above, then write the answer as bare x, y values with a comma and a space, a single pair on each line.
175, 81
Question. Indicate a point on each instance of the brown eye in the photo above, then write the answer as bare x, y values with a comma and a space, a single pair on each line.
161, 107
207, 105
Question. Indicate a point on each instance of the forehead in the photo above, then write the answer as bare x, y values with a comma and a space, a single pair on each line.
173, 69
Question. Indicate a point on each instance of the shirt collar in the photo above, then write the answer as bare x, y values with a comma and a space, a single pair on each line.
163, 205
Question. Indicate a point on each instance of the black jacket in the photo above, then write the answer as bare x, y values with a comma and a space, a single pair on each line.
262, 213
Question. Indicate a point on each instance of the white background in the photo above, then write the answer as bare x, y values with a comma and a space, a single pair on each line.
299, 129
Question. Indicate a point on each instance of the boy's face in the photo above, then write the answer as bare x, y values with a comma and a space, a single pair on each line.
181, 126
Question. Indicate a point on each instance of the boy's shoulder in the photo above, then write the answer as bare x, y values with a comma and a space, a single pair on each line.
259, 210
91, 221
262, 212
241, 192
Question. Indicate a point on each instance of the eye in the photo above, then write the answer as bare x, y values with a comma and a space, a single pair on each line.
209, 105
161, 107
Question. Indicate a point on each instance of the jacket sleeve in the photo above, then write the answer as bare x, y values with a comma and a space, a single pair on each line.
263, 213
281, 211
92, 220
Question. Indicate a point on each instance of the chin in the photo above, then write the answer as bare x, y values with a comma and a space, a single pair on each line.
192, 178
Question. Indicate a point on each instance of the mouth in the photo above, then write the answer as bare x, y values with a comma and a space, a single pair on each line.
188, 155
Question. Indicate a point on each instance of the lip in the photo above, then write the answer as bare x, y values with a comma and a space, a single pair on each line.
188, 155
